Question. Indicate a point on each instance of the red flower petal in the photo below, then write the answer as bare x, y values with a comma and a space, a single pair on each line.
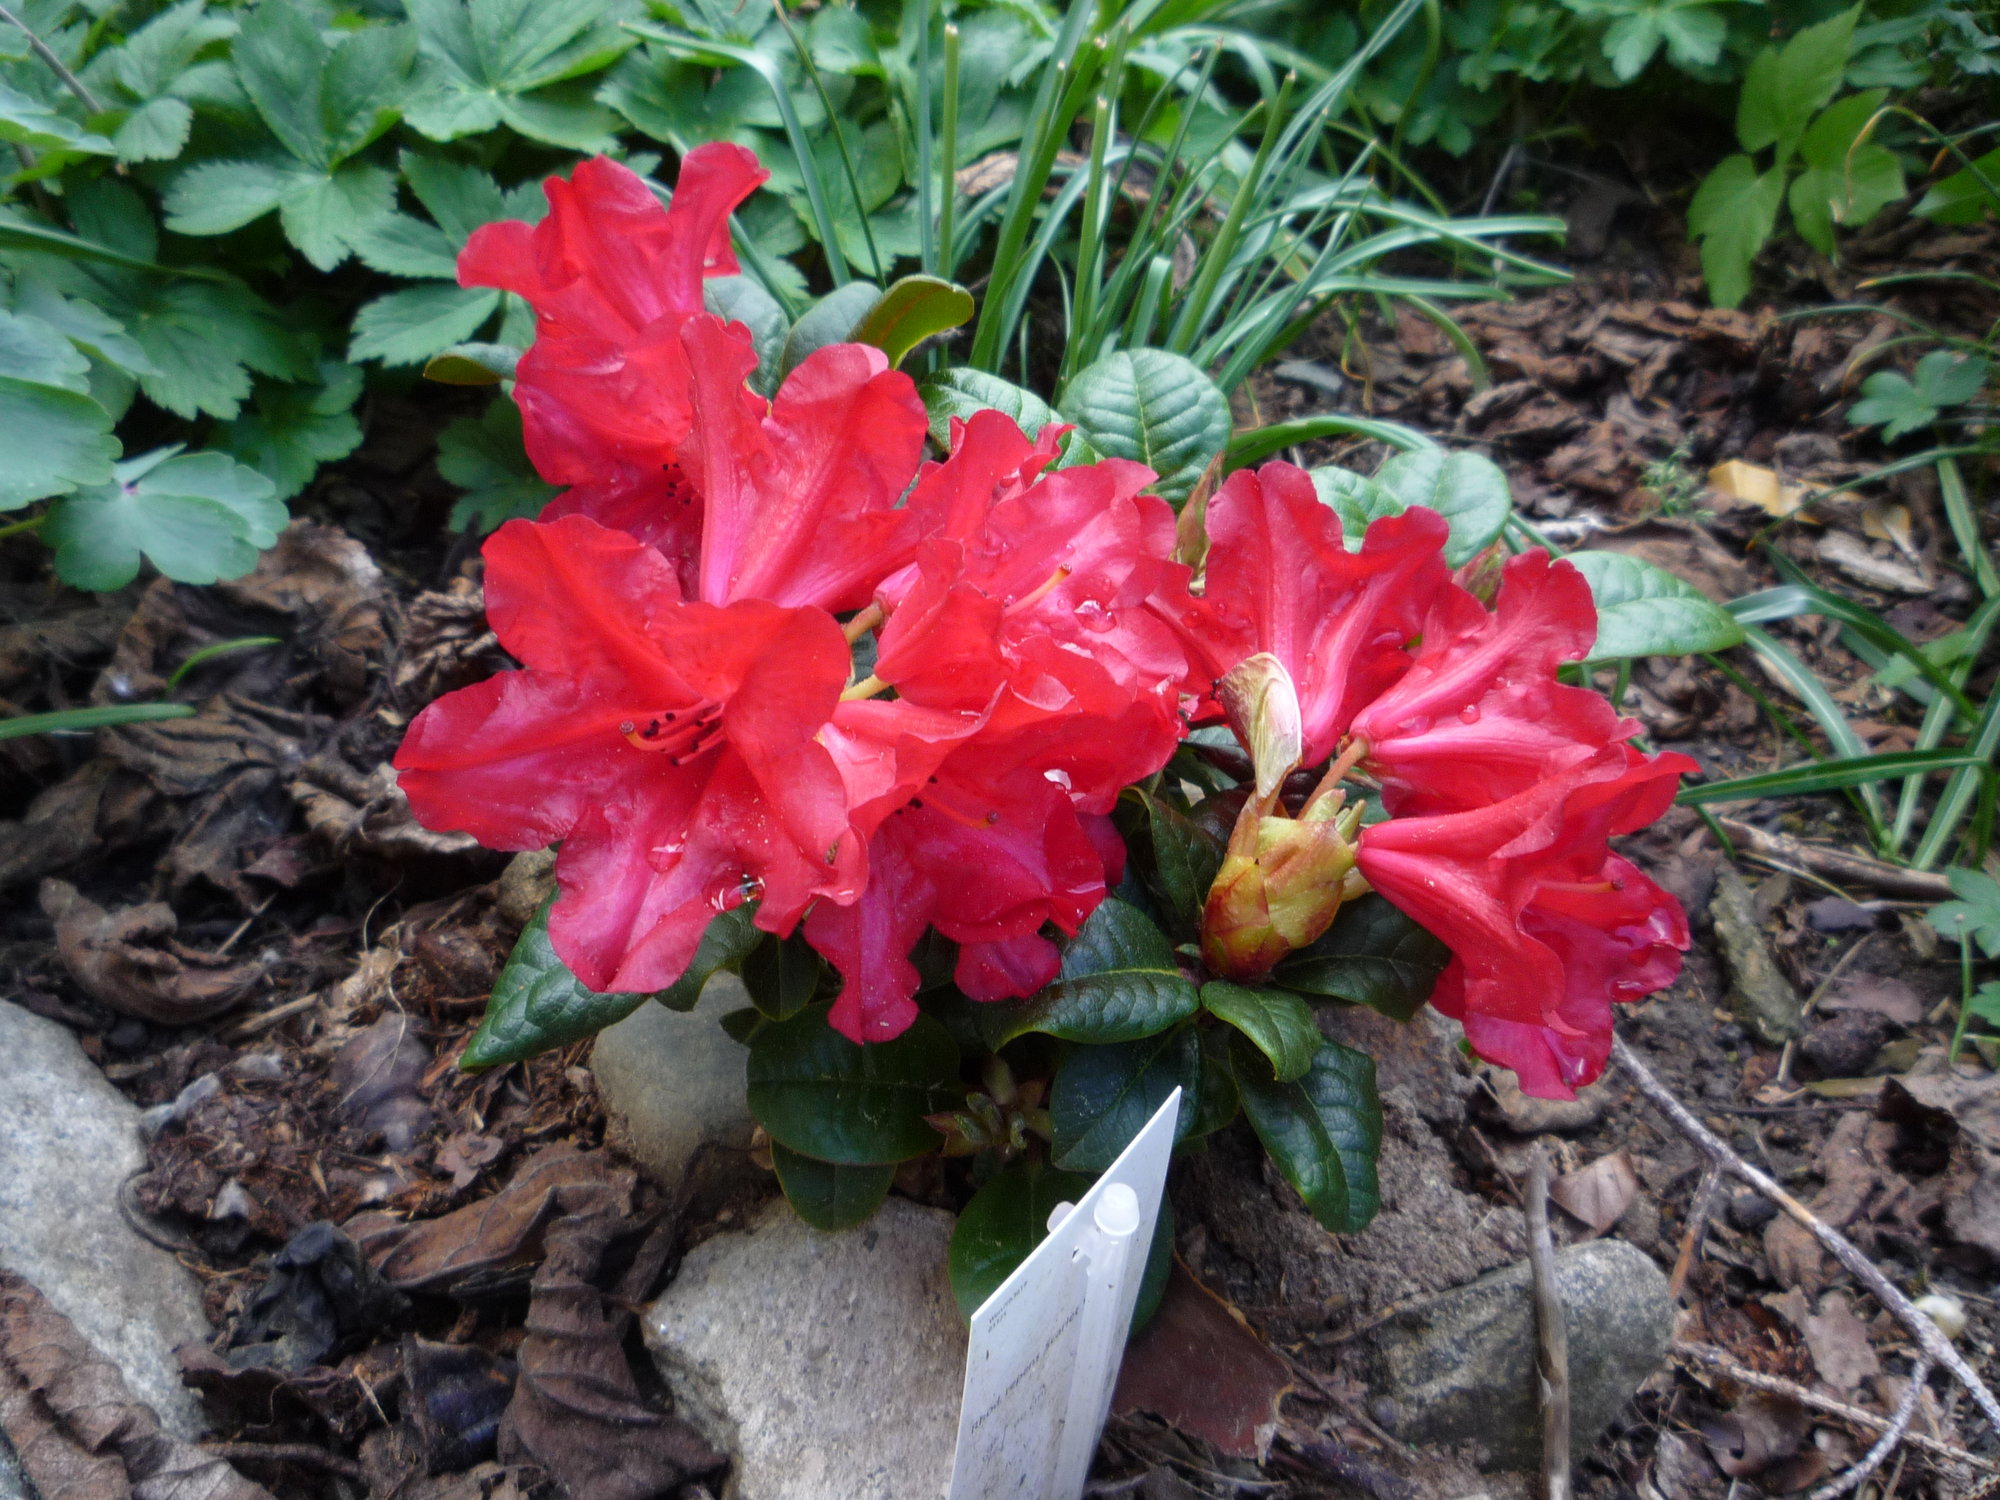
801, 504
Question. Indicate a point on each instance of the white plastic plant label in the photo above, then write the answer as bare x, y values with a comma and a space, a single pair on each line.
1046, 1346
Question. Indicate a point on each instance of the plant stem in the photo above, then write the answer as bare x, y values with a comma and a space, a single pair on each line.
1964, 998
56, 65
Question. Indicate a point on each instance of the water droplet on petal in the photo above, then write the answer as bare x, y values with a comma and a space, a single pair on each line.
1469, 714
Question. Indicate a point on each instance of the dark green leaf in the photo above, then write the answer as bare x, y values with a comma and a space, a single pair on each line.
1119, 982
1185, 859
1373, 955
840, 1101
425, 323
1154, 407
726, 942
1215, 1102
1103, 1096
538, 1004
828, 1195
1279, 1022
910, 311
1324, 1131
473, 364
290, 430
1962, 198
782, 975
1002, 1224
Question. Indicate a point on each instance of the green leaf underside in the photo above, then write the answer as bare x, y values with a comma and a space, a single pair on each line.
1643, 610
1153, 407
1103, 1096
913, 309
1324, 1130
1373, 955
1002, 1224
831, 320
538, 1004
828, 1195
840, 1101
1279, 1022
1119, 982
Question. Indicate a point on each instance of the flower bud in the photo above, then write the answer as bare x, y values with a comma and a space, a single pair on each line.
1281, 883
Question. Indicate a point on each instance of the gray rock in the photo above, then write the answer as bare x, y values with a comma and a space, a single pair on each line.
829, 1365
673, 1082
1460, 1367
68, 1141
13, 1483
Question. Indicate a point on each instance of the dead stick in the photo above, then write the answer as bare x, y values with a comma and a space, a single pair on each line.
1837, 865
285, 1453
1891, 1439
1551, 1334
1697, 1230
1929, 1337
1712, 1358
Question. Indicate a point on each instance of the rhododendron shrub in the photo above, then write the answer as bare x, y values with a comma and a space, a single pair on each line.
1017, 801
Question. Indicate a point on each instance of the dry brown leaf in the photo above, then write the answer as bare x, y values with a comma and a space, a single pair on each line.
1599, 1194
1880, 993
1795, 1256
1198, 1366
1761, 1431
1972, 1185
1858, 561
83, 1395
118, 957
485, 1245
1839, 1342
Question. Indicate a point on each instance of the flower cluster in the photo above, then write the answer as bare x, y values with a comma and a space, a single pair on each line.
770, 652
686, 721
1503, 785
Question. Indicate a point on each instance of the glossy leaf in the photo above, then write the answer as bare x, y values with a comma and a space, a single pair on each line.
728, 939
1279, 1022
1102, 1097
840, 1101
1643, 610
538, 1004
1119, 981
1373, 955
1324, 1130
1154, 407
742, 299
828, 1195
1185, 858
1003, 1223
781, 975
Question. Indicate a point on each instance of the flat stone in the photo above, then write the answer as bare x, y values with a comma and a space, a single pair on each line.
675, 1081
1460, 1367
829, 1365
13, 1483
68, 1141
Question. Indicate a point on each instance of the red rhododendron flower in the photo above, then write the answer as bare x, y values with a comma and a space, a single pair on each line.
1479, 715
1035, 602
669, 744
1546, 926
613, 277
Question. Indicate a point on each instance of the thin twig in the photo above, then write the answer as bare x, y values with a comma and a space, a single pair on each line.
1698, 1212
1929, 1338
285, 1453
1889, 1442
1837, 864
1551, 1333
1712, 1358
56, 65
